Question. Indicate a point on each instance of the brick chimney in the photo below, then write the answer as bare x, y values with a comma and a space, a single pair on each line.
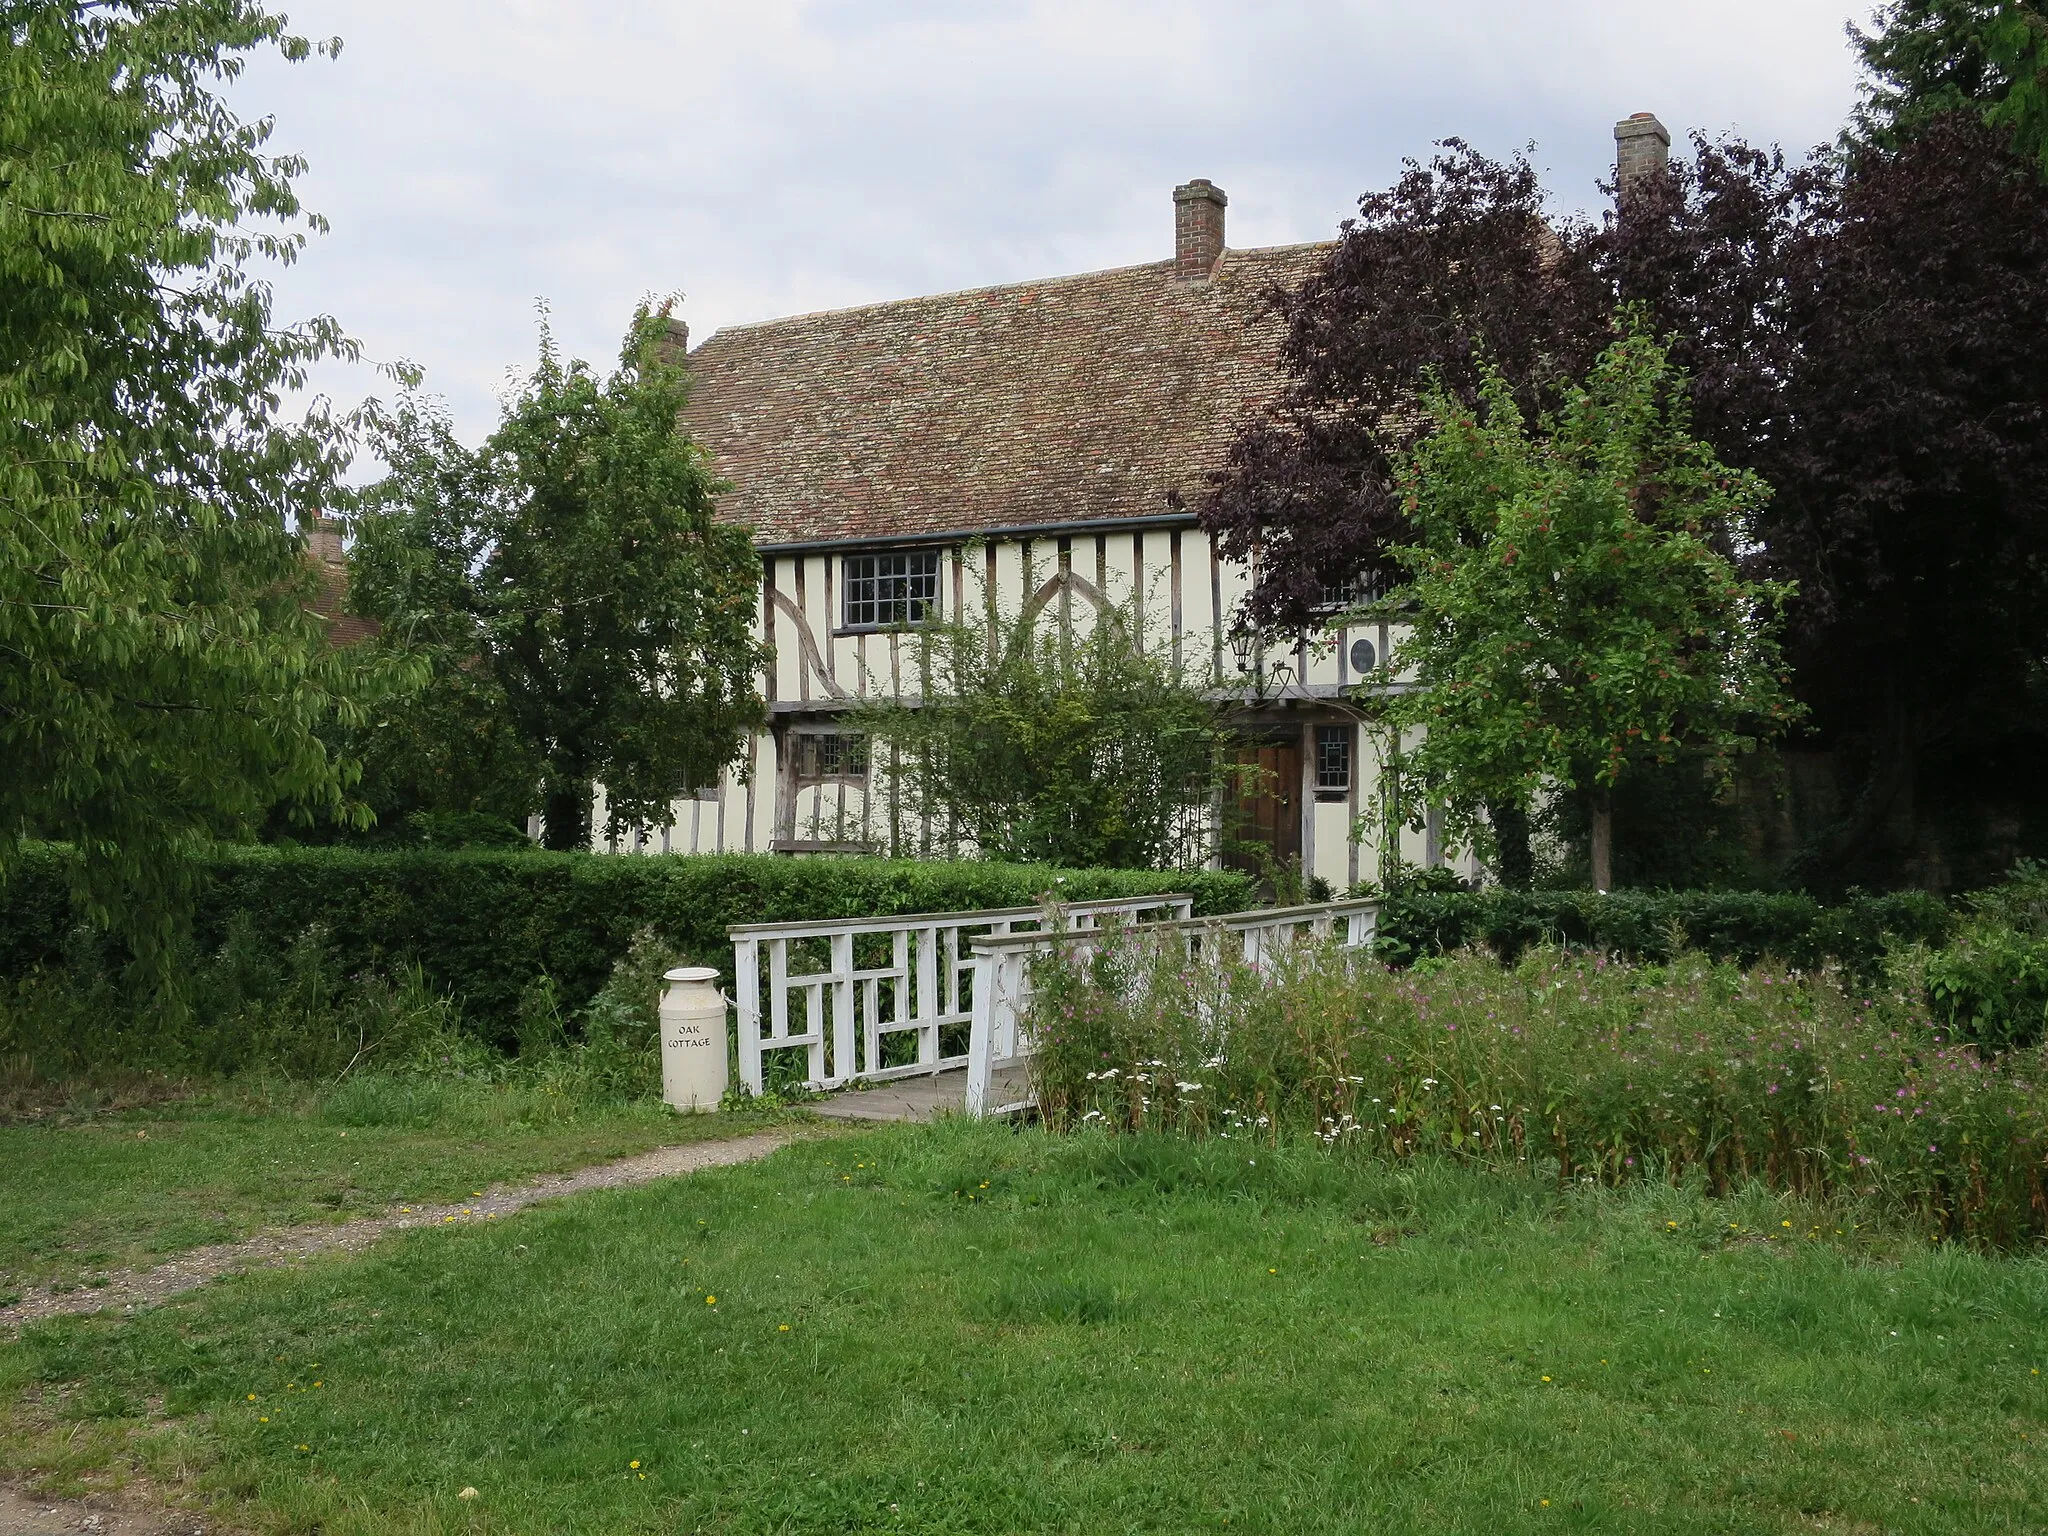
673, 345
1197, 229
1642, 148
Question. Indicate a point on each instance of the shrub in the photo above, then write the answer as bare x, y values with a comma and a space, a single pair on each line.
484, 926
1991, 984
1743, 926
1567, 1063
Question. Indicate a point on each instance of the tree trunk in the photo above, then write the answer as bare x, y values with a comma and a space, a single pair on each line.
1603, 838
1514, 864
566, 818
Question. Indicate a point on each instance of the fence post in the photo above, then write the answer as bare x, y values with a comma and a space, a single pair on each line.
981, 1034
747, 984
924, 994
844, 1063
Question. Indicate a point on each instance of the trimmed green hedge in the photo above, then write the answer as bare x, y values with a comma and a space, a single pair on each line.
1745, 926
483, 923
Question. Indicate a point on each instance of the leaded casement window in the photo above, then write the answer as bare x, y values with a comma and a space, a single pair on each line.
1333, 758
829, 755
1352, 592
885, 589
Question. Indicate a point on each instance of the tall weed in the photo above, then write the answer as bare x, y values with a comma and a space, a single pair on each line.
245, 1011
1567, 1064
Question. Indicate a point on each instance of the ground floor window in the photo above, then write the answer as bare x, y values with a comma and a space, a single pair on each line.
829, 755
1333, 758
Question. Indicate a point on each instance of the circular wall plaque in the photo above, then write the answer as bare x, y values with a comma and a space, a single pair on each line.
1363, 657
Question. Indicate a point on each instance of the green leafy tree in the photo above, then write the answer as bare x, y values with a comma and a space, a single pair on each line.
1575, 609
162, 680
443, 761
574, 563
1929, 58
1037, 741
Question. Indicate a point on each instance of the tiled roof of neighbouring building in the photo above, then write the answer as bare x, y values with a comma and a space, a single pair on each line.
1030, 404
329, 560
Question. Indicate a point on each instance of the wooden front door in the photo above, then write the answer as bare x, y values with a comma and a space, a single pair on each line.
1267, 814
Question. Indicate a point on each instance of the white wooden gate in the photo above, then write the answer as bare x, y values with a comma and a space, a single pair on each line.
999, 1050
803, 986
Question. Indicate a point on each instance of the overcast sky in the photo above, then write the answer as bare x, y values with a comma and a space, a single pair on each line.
769, 157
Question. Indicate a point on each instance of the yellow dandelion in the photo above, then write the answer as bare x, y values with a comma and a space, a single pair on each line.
634, 1465
252, 1395
710, 1301
1784, 1223
783, 1329
264, 1420
1544, 1502
1672, 1225
1546, 1378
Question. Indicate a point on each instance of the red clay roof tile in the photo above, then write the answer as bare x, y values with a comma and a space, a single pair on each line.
1032, 404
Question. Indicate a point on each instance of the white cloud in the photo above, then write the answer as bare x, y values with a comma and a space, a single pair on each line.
786, 155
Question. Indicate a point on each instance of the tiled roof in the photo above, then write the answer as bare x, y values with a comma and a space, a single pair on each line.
1025, 405
329, 560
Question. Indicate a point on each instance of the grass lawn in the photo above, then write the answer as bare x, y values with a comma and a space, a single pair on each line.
963, 1329
134, 1186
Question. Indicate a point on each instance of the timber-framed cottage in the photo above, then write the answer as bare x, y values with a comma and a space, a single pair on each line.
1057, 435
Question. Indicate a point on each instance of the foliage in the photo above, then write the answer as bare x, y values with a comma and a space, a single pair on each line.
483, 926
1146, 1332
443, 762
574, 560
1929, 58
1573, 610
1869, 335
247, 1010
1599, 1071
1747, 927
164, 680
1449, 267
1990, 985
1048, 743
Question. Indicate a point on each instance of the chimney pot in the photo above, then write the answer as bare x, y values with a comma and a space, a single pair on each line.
1197, 229
1642, 149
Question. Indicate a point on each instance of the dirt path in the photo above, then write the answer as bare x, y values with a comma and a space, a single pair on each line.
129, 1289
23, 1514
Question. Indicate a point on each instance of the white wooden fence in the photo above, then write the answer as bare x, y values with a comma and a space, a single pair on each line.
847, 1015
999, 1050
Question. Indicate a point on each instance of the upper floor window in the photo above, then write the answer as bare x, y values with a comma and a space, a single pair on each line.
1338, 596
881, 590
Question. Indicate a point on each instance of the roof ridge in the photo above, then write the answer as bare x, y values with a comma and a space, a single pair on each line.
1166, 266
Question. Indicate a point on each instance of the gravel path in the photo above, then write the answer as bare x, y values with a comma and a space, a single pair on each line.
130, 1289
